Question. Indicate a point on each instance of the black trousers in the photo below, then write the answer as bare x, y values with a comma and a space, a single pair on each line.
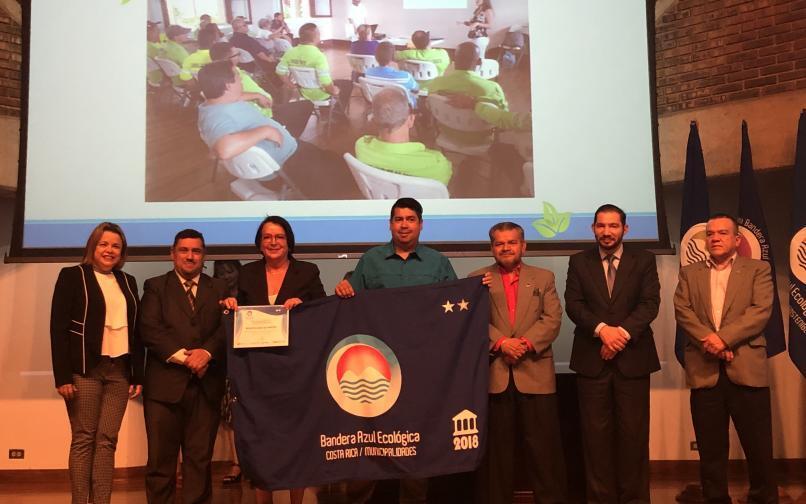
749, 407
320, 174
531, 422
293, 115
191, 424
614, 421
345, 91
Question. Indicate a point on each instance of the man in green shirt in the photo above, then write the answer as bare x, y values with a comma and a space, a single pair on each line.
293, 115
194, 62
464, 80
307, 54
403, 262
392, 149
423, 52
173, 48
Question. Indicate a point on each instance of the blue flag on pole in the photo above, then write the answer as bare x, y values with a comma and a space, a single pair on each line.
797, 255
390, 383
693, 217
755, 241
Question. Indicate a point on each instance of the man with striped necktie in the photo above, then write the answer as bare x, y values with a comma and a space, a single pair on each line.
185, 369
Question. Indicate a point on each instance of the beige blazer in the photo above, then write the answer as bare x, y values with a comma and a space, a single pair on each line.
748, 305
537, 318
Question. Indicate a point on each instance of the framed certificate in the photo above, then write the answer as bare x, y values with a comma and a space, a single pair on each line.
260, 327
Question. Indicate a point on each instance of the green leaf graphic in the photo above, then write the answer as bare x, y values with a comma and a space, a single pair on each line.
543, 228
550, 214
564, 220
553, 222
124, 2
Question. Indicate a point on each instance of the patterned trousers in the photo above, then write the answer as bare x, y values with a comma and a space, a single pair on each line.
95, 414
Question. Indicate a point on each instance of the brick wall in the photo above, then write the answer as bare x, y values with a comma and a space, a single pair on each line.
10, 58
714, 51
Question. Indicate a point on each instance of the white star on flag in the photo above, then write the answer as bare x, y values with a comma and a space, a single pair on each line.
464, 305
448, 306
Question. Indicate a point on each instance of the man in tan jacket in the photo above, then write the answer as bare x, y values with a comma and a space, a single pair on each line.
723, 305
525, 320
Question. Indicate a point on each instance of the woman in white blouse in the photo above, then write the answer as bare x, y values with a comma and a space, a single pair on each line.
97, 357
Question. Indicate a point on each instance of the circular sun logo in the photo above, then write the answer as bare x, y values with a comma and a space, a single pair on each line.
748, 244
797, 255
363, 376
692, 246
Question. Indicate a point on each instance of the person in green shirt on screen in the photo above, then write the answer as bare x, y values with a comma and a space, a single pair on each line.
424, 52
392, 149
195, 61
464, 80
307, 54
173, 48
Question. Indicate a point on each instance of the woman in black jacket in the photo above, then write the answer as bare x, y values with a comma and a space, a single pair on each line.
277, 279
97, 357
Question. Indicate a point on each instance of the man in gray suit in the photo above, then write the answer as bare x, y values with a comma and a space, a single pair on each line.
525, 320
723, 305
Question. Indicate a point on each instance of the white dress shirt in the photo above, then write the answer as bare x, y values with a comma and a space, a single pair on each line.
115, 340
719, 285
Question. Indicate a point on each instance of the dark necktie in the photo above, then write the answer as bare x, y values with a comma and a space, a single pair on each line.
189, 291
611, 273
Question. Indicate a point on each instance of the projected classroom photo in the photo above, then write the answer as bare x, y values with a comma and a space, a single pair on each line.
530, 111
270, 101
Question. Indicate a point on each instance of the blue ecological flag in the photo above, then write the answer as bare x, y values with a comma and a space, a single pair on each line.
797, 255
755, 241
390, 383
694, 215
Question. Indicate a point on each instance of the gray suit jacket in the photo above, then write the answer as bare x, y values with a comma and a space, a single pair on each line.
748, 305
537, 318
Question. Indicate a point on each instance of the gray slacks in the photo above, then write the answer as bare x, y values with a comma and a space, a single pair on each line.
95, 415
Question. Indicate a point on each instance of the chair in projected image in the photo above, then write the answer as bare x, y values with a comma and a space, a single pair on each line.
375, 183
360, 62
459, 119
306, 78
420, 70
488, 69
370, 86
153, 87
244, 56
172, 71
252, 167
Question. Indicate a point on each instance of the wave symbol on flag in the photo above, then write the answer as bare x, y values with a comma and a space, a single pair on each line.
692, 245
693, 252
802, 255
364, 390
363, 375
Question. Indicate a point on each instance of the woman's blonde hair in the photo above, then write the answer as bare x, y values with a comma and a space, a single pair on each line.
95, 237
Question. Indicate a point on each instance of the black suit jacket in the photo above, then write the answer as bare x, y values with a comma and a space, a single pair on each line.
633, 306
77, 317
301, 281
168, 324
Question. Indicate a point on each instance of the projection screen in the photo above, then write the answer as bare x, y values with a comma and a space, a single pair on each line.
99, 143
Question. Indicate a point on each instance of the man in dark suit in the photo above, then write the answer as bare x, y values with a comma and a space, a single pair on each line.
182, 330
524, 321
612, 294
723, 305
